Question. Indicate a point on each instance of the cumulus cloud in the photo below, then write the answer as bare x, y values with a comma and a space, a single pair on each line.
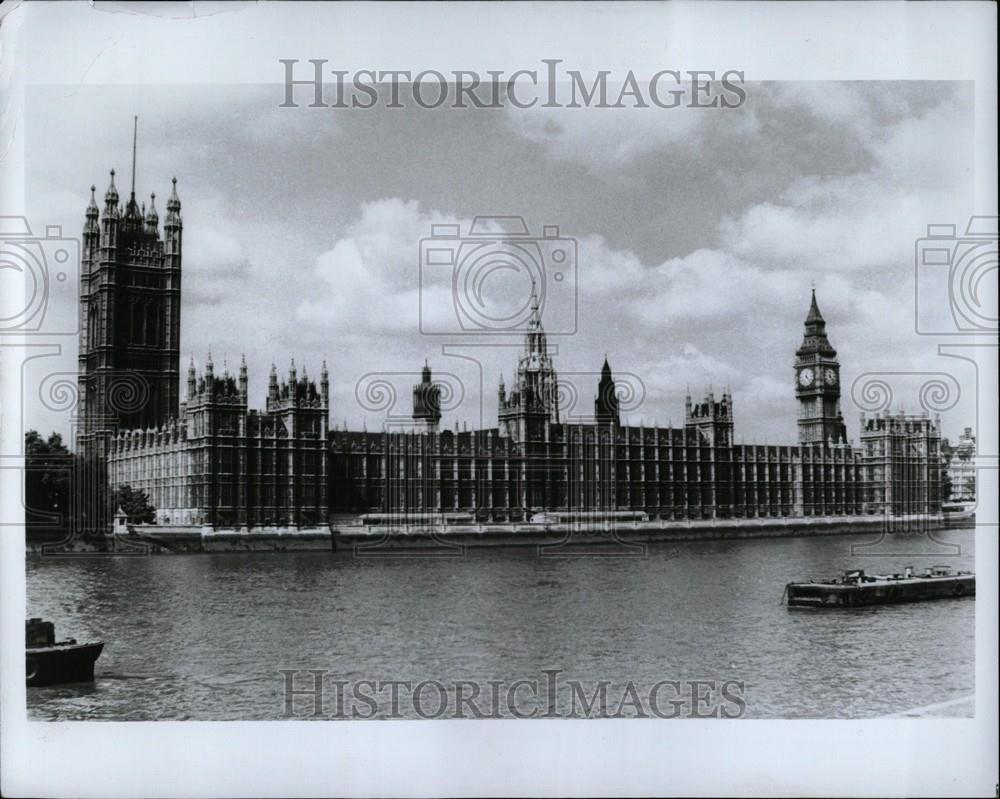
604, 138
698, 233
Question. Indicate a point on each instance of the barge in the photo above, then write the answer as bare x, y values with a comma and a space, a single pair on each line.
857, 589
51, 662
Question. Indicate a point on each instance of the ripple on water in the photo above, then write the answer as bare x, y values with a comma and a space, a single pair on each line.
204, 636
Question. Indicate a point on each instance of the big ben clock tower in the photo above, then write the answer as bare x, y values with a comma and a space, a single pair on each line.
817, 383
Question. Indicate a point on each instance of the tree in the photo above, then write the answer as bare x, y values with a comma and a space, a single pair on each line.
135, 504
48, 466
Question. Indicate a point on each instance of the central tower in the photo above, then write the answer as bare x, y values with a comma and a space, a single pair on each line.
533, 404
817, 384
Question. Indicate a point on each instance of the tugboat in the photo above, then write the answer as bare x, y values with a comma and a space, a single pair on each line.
50, 662
857, 589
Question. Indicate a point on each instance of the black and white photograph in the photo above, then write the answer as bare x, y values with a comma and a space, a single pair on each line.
499, 399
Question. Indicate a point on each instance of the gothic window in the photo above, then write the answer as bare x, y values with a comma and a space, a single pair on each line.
93, 324
134, 332
154, 327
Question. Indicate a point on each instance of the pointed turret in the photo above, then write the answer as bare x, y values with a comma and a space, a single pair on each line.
324, 385
173, 218
426, 401
91, 227
133, 215
191, 378
243, 376
534, 341
92, 210
606, 402
111, 198
152, 217
272, 383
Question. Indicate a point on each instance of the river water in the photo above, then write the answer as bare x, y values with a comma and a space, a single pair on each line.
206, 636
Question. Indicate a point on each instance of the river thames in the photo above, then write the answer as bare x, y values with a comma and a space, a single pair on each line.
207, 636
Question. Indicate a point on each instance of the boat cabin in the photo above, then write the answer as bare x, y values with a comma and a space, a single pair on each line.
39, 633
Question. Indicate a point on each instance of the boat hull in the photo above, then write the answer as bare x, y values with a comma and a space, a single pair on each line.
879, 592
61, 663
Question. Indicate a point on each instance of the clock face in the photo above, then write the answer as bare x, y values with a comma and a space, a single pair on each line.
806, 377
831, 377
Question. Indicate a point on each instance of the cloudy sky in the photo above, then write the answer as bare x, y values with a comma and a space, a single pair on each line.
699, 232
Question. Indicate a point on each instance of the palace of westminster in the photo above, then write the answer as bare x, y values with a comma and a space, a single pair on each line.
210, 461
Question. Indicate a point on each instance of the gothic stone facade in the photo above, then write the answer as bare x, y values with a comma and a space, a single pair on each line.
533, 462
214, 462
961, 464
223, 465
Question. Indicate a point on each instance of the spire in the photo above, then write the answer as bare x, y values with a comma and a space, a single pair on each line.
324, 385
536, 316
606, 402
243, 375
111, 196
426, 401
132, 211
135, 137
173, 217
815, 339
91, 226
272, 383
152, 217
814, 315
